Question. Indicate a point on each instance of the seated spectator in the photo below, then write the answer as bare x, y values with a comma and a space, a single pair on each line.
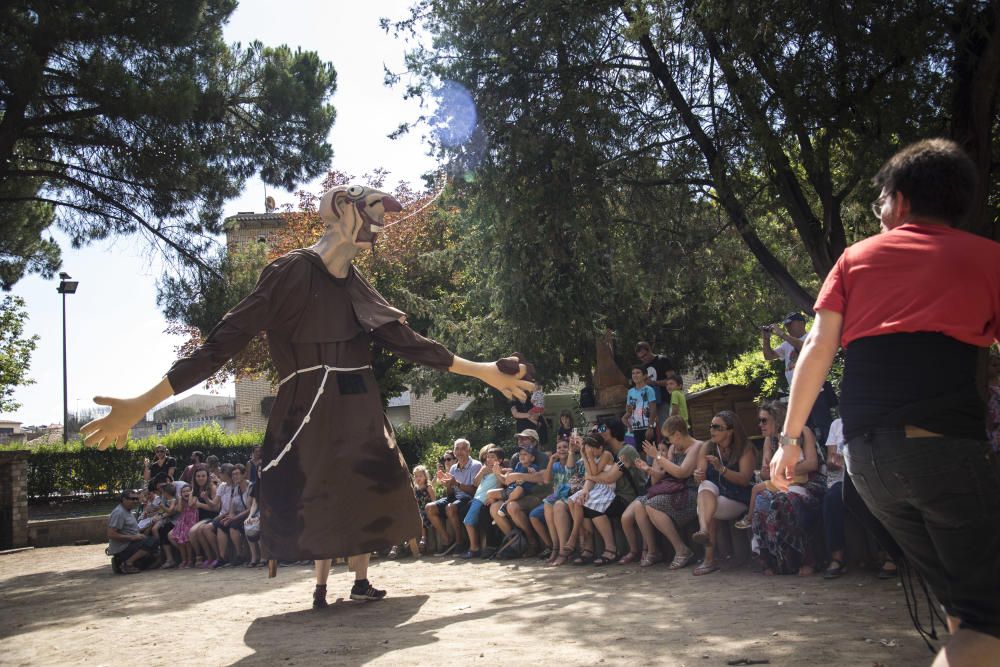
253, 465
834, 511
224, 493
212, 461
170, 508
629, 482
782, 521
670, 502
251, 527
423, 491
179, 536
231, 524
487, 480
640, 408
723, 472
557, 474
459, 486
126, 545
522, 491
150, 501
162, 463
201, 535
595, 497
557, 509
197, 458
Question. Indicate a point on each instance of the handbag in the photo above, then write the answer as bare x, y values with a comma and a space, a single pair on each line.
666, 486
251, 527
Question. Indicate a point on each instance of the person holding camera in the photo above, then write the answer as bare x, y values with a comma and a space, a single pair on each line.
792, 332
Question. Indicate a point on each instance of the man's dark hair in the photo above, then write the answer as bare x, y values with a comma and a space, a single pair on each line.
676, 378
616, 428
643, 345
935, 175
197, 457
640, 368
128, 493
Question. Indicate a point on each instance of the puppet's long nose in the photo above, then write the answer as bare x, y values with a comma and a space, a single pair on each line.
390, 205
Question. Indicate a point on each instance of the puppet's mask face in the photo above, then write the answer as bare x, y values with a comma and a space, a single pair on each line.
356, 213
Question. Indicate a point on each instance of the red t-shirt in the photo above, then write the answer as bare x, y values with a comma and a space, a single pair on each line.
917, 277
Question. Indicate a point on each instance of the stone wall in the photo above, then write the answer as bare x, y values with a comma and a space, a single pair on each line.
13, 499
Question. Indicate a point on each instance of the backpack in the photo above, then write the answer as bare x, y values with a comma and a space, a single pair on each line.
514, 545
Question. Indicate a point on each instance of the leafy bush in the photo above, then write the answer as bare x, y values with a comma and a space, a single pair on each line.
73, 468
750, 369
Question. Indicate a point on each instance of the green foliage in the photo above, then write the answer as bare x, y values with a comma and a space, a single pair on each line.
15, 351
123, 117
424, 445
72, 468
750, 369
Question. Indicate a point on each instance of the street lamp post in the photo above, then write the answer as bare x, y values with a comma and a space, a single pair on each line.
66, 286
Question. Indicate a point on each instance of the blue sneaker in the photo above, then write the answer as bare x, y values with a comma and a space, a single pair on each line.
470, 554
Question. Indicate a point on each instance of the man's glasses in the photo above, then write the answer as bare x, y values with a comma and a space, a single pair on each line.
877, 206
763, 420
449, 458
718, 427
133, 498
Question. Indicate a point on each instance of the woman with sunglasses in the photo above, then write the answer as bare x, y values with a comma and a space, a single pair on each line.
780, 519
162, 462
724, 471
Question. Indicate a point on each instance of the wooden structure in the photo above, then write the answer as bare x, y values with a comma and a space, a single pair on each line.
705, 404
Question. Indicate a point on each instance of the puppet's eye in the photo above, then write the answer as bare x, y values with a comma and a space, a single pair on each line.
355, 191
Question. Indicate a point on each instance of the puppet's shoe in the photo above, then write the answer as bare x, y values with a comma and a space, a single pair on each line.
362, 590
319, 597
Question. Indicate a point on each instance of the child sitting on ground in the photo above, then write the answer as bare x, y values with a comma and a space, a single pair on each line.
486, 480
187, 517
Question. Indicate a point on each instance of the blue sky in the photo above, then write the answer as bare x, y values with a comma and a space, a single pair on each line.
116, 345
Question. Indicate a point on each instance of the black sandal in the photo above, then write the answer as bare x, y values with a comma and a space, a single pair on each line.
834, 571
604, 559
586, 557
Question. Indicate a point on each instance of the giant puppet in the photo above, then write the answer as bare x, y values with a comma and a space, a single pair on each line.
333, 483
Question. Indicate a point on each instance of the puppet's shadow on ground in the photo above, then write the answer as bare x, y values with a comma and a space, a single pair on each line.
344, 632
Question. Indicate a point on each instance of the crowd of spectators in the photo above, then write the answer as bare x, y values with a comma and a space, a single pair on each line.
207, 517
644, 473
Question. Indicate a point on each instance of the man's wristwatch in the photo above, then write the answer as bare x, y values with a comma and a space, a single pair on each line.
787, 440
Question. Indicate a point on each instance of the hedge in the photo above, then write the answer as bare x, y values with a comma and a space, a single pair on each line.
71, 469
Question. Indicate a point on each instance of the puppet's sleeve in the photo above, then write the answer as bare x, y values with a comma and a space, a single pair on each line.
403, 341
275, 292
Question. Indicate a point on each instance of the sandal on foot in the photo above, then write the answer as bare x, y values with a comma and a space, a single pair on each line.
561, 557
834, 570
605, 559
705, 568
129, 569
651, 559
586, 557
680, 560
702, 538
631, 557
888, 573
545, 553
744, 523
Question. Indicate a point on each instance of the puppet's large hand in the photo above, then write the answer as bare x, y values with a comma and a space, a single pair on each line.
113, 428
510, 385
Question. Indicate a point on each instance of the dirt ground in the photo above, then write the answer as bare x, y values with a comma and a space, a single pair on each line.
63, 606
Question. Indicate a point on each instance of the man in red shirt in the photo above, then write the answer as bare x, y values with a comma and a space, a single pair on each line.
914, 303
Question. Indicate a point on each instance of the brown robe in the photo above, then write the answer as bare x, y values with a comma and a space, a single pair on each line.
343, 488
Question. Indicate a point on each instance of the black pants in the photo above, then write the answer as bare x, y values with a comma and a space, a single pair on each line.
939, 498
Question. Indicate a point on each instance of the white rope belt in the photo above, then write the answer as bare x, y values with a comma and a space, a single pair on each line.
319, 392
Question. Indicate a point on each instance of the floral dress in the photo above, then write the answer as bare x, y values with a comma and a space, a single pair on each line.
423, 497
